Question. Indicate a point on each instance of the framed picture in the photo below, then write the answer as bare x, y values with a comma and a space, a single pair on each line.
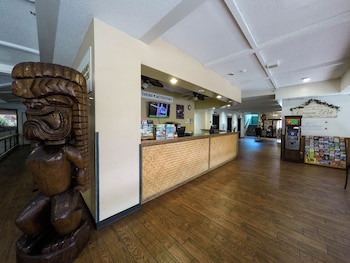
180, 111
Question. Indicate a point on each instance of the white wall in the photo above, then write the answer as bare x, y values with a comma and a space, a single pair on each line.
203, 119
323, 88
323, 126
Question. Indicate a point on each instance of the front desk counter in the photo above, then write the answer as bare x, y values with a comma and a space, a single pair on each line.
167, 164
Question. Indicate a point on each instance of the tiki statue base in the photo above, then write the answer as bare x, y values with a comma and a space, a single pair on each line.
53, 249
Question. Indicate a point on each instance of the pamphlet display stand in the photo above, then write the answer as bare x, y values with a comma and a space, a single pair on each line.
326, 151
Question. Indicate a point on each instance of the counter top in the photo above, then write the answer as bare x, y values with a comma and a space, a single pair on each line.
183, 139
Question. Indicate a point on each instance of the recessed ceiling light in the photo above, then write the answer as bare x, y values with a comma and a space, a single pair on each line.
218, 96
173, 80
243, 70
306, 79
201, 90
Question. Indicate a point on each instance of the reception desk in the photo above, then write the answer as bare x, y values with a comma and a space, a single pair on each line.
167, 164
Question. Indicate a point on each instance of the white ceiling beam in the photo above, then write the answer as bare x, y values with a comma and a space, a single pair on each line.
19, 47
171, 19
47, 19
255, 48
6, 69
331, 22
237, 15
5, 85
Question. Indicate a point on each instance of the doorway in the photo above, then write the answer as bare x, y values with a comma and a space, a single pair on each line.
216, 121
229, 124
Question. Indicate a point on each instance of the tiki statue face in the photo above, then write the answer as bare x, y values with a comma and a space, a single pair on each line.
49, 118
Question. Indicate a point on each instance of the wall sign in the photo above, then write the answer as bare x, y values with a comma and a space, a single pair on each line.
316, 109
86, 69
156, 97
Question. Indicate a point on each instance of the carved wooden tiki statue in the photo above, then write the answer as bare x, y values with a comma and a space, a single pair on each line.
57, 123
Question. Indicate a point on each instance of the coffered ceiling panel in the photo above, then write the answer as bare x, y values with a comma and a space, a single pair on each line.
239, 71
210, 33
265, 44
271, 19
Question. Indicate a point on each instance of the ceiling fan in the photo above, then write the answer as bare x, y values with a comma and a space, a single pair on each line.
196, 96
146, 82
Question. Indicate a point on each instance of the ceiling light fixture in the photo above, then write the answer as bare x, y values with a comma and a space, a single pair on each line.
272, 65
173, 80
218, 96
201, 90
306, 79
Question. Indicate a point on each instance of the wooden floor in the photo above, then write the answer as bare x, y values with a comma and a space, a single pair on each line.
254, 209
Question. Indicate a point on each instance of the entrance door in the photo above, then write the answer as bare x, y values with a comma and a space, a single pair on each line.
239, 127
229, 124
216, 122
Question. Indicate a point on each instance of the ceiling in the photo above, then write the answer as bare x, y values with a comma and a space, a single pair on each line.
259, 46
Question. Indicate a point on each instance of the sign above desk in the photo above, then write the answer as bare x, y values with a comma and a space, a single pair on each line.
156, 97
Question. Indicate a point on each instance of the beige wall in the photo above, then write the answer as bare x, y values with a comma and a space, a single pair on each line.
117, 70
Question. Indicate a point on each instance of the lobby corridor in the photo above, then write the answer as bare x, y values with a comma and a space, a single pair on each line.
255, 208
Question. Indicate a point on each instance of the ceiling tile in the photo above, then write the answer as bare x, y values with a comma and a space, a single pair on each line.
271, 19
316, 50
18, 25
134, 18
208, 33
246, 69
316, 75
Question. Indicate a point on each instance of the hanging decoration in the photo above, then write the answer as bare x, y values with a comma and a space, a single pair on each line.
314, 108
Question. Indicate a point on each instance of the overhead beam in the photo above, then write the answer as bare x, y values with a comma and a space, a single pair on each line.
171, 19
19, 47
47, 19
7, 69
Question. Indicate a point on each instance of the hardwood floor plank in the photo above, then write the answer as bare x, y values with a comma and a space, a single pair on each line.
133, 244
256, 208
274, 249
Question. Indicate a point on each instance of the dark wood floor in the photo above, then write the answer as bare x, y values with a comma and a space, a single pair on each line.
254, 209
